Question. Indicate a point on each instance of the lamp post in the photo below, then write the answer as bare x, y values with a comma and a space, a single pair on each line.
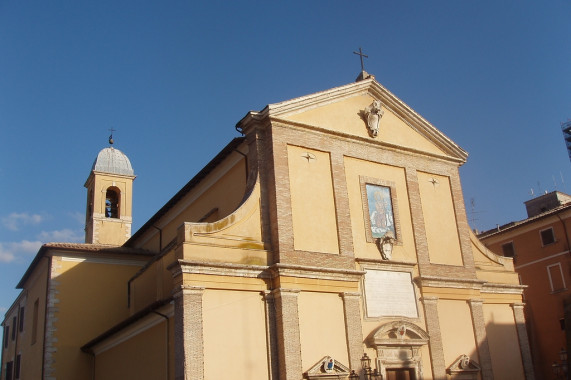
367, 370
560, 369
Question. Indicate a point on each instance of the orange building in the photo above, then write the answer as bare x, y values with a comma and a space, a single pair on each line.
539, 246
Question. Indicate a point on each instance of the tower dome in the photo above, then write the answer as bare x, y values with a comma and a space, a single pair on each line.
111, 160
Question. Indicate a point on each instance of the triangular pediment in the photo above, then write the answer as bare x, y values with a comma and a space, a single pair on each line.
327, 368
341, 110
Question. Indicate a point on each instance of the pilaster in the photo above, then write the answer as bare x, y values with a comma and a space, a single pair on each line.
271, 335
479, 326
353, 328
435, 342
525, 350
188, 334
287, 328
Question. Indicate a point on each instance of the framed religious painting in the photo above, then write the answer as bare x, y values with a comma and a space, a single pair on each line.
380, 209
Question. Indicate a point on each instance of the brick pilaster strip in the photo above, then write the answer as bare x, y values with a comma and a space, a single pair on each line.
435, 342
417, 216
462, 221
479, 325
342, 204
188, 335
287, 328
353, 328
523, 340
271, 336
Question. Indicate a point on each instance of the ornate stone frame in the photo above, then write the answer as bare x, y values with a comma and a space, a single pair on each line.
399, 351
363, 181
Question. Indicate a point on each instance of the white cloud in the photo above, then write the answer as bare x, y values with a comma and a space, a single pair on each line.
65, 235
5, 255
15, 220
9, 251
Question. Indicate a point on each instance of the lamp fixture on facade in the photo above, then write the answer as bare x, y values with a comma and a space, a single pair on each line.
367, 370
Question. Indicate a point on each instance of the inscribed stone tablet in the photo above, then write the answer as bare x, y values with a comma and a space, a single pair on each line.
389, 293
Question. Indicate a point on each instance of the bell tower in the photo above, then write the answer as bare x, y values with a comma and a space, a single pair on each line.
108, 216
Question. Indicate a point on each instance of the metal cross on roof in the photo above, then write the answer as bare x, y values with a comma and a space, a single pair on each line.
360, 53
111, 136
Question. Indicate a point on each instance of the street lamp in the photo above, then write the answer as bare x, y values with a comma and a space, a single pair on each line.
367, 371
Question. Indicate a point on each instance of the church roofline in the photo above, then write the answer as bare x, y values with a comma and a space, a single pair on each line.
375, 89
225, 152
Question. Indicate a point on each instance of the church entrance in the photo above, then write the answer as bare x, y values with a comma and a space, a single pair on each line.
400, 374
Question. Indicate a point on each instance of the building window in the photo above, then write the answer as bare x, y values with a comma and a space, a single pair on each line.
508, 249
17, 367
6, 334
35, 322
21, 321
14, 320
112, 203
9, 370
556, 280
547, 236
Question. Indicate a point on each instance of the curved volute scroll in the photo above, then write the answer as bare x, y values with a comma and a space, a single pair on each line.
237, 238
484, 255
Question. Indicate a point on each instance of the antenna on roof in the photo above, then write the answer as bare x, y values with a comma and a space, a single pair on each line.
111, 136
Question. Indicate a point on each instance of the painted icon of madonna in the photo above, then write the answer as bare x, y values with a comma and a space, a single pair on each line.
380, 210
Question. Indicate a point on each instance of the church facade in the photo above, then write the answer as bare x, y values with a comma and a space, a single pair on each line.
331, 232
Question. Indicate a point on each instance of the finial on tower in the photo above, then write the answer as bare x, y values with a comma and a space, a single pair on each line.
111, 136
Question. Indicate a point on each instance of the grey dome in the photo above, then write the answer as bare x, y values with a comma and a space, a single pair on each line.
111, 160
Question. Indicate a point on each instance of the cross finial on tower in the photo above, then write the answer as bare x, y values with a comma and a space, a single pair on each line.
111, 136
361, 55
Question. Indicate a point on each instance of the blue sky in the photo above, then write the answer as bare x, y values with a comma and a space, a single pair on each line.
174, 77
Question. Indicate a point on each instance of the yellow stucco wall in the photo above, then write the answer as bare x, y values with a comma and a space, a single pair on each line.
344, 116
321, 328
312, 202
234, 335
503, 341
439, 219
457, 331
31, 350
354, 170
104, 285
127, 361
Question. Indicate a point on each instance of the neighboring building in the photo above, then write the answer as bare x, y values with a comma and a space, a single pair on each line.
566, 129
335, 227
540, 248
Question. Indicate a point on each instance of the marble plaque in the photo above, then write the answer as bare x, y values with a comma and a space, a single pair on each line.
389, 294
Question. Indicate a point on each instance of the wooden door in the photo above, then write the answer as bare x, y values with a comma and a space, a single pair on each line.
400, 374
